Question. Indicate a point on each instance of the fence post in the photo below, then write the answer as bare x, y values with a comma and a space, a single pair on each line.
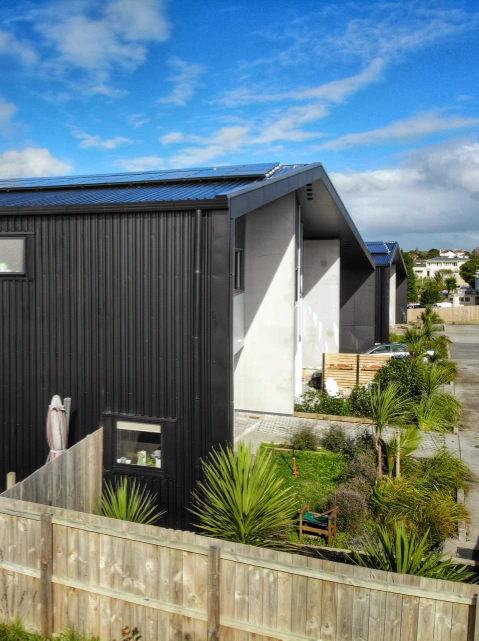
213, 601
11, 480
46, 568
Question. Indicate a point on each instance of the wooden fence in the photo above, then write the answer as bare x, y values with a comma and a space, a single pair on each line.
99, 575
73, 480
349, 370
462, 315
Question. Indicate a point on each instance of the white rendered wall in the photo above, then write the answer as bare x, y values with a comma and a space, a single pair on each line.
238, 322
264, 372
320, 301
392, 296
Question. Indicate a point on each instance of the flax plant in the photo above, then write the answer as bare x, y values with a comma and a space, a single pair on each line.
243, 499
404, 553
127, 502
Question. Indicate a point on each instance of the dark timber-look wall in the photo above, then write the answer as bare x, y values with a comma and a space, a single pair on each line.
128, 314
383, 285
357, 310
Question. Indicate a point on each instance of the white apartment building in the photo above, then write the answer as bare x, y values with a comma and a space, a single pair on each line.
427, 267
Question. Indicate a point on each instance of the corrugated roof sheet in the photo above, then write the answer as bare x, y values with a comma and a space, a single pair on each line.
156, 186
253, 171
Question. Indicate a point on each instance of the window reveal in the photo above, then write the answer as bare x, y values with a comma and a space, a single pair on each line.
138, 443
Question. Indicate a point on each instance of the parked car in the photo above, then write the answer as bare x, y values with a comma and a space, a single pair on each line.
396, 350
385, 349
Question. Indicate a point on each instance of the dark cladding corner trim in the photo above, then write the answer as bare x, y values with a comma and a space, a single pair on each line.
262, 193
220, 202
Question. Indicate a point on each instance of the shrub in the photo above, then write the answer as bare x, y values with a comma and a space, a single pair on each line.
360, 471
418, 506
126, 501
352, 509
305, 438
335, 439
403, 552
243, 499
438, 411
318, 402
360, 402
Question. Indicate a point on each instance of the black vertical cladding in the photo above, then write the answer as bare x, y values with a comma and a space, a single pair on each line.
382, 304
128, 314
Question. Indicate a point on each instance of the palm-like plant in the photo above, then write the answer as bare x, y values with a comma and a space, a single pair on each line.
126, 501
409, 441
437, 411
405, 553
243, 499
451, 284
388, 407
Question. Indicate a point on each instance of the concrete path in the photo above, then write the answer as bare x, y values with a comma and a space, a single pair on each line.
465, 351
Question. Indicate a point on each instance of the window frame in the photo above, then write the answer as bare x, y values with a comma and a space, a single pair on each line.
239, 270
28, 256
110, 462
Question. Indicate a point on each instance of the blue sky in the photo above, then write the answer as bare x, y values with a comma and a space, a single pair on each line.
384, 94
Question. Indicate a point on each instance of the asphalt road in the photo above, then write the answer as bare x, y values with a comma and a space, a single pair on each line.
465, 351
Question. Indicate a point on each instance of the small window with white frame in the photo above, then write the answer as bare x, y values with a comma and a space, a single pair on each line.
138, 443
12, 255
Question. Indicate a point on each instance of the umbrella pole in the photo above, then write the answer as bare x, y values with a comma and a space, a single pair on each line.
67, 403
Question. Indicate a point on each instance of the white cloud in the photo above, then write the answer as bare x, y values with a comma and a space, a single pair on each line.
98, 38
173, 137
422, 124
144, 163
105, 90
9, 45
31, 162
433, 194
225, 140
335, 91
88, 141
186, 78
7, 111
138, 120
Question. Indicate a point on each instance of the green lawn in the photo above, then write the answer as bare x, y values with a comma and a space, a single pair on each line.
318, 477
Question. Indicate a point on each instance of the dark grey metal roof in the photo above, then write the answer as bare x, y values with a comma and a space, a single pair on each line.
146, 187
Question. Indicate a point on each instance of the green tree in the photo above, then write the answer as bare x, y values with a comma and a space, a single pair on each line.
411, 278
388, 407
432, 253
430, 293
468, 271
451, 284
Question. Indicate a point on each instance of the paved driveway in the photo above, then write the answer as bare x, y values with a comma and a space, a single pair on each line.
465, 351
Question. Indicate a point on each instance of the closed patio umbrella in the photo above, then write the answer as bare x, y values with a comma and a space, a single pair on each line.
57, 428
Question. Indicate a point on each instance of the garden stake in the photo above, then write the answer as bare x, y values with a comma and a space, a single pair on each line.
295, 469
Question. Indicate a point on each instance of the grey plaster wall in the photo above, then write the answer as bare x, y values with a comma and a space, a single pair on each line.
357, 314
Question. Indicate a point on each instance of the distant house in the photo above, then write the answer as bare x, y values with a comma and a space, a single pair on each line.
428, 267
161, 301
452, 253
391, 287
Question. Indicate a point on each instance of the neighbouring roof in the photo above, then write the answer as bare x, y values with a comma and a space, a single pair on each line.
139, 187
383, 253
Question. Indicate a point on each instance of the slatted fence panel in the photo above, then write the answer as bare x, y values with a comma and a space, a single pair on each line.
109, 574
349, 370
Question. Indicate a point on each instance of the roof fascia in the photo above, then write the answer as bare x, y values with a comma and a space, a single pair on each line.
250, 198
219, 202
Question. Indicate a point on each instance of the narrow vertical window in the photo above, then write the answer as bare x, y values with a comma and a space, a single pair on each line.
239, 270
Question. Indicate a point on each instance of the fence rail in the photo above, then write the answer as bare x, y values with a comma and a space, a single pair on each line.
462, 315
99, 575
